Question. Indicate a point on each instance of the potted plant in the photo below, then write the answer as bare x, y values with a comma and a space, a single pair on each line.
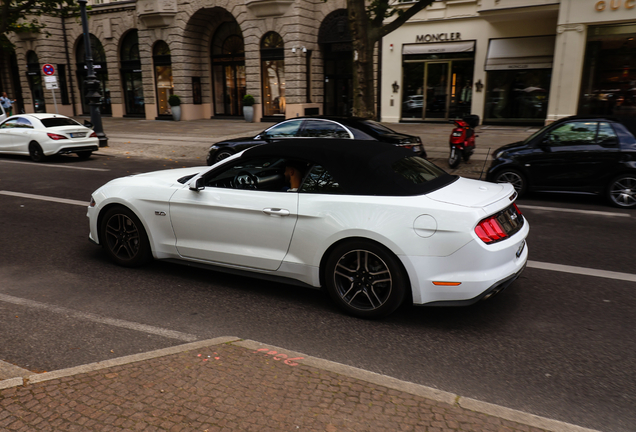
248, 109
175, 106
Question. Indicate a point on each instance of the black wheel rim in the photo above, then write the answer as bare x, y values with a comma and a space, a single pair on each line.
513, 178
122, 237
222, 155
363, 280
623, 192
36, 153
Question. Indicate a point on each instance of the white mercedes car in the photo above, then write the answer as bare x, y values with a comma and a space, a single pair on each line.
370, 223
43, 135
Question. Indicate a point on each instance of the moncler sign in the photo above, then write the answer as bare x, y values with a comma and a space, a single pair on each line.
438, 37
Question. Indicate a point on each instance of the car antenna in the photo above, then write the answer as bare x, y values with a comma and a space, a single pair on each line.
484, 167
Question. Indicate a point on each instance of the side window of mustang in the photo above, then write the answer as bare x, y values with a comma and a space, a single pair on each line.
320, 181
263, 173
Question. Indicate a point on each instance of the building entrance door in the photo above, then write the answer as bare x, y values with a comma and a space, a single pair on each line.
436, 84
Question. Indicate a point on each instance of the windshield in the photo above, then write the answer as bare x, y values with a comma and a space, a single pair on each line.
58, 121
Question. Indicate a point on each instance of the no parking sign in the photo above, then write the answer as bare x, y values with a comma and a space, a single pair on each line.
48, 69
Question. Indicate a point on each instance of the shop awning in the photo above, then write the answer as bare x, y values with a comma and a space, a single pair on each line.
521, 53
438, 48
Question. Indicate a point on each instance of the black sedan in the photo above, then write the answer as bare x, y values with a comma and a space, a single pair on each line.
576, 154
318, 127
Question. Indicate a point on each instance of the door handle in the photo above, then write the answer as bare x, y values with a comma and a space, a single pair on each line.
276, 212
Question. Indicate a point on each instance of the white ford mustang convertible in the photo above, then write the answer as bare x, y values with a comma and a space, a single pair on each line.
370, 223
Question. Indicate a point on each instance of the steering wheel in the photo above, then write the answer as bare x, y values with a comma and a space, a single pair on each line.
245, 180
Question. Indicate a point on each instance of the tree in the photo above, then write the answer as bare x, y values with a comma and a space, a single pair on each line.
366, 22
15, 12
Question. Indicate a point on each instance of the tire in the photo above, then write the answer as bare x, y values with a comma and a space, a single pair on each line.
515, 178
124, 238
365, 279
36, 153
621, 191
219, 156
466, 154
84, 155
454, 158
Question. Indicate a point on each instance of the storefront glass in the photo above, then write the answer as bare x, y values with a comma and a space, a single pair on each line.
101, 72
131, 75
437, 86
228, 69
609, 72
515, 97
164, 83
273, 75
35, 82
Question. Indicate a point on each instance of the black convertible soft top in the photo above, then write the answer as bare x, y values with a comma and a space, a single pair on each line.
360, 167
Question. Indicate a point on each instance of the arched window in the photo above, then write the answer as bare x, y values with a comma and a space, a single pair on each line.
131, 75
273, 74
34, 75
101, 72
228, 69
163, 76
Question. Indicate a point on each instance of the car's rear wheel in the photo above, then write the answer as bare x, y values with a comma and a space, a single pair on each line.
83, 155
365, 279
621, 191
515, 178
124, 238
36, 153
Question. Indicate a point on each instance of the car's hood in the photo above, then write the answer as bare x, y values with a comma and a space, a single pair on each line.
242, 139
170, 175
472, 193
511, 146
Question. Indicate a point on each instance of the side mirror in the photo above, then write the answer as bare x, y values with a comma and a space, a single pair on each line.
88, 124
265, 136
198, 184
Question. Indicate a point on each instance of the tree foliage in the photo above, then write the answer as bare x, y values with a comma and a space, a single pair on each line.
22, 16
367, 24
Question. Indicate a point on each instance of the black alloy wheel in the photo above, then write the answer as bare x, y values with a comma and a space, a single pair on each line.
365, 279
515, 178
621, 191
36, 153
124, 237
84, 155
219, 156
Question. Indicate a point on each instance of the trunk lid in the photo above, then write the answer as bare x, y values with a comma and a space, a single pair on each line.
473, 193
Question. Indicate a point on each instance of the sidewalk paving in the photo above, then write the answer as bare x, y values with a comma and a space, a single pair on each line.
228, 384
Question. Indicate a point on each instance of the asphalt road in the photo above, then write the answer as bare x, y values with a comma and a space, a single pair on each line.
557, 344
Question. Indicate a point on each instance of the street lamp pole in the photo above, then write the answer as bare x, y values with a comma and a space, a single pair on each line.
91, 83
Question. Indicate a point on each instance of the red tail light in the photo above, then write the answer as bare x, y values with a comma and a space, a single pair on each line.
93, 135
489, 230
56, 136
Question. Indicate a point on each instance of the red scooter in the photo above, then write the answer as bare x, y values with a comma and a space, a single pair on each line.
462, 140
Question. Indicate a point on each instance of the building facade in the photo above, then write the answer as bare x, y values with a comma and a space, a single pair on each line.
511, 61
293, 56
508, 61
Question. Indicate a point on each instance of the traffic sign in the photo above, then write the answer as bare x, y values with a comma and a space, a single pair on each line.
48, 69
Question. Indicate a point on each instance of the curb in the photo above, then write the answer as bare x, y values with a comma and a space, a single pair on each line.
349, 371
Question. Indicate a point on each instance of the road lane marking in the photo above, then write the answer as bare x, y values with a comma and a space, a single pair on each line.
45, 198
583, 271
100, 319
55, 166
588, 212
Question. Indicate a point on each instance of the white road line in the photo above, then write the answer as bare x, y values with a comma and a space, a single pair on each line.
589, 212
55, 166
45, 198
582, 271
99, 319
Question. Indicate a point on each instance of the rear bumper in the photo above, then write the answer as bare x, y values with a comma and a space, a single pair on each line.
84, 148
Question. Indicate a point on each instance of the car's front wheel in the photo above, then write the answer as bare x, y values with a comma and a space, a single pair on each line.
84, 155
124, 237
36, 153
621, 191
515, 178
365, 279
219, 156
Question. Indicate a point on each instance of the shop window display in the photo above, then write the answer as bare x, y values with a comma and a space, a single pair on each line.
609, 73
517, 96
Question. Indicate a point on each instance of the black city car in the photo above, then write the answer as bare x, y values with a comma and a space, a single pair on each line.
318, 127
575, 154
